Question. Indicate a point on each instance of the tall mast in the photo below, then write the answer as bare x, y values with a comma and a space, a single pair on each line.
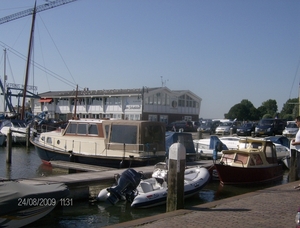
4, 82
28, 61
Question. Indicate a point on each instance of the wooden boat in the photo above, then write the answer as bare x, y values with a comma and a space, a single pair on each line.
205, 147
254, 162
22, 203
111, 143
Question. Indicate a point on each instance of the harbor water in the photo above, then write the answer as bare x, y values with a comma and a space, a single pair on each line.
26, 164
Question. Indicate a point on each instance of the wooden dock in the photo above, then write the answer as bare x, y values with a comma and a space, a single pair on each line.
81, 184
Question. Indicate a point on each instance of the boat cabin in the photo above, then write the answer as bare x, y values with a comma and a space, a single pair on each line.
251, 153
140, 135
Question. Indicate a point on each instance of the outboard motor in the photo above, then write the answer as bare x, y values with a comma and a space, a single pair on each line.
128, 182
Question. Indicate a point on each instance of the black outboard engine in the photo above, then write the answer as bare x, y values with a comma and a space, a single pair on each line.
128, 182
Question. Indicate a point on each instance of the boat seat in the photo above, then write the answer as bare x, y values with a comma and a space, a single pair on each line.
191, 176
146, 187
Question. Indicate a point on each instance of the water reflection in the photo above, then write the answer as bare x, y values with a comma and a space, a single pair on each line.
27, 164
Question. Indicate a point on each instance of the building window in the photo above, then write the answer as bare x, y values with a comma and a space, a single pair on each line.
117, 101
189, 101
181, 101
163, 118
152, 117
187, 118
158, 98
174, 104
117, 116
150, 100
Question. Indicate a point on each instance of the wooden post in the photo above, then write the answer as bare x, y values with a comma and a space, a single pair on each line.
199, 134
175, 197
293, 174
27, 136
8, 146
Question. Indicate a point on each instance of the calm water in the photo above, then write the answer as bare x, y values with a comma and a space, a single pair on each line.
26, 164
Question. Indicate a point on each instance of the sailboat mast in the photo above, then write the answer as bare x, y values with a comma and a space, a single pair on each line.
4, 82
28, 61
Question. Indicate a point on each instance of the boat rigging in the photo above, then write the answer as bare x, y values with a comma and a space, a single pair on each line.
33, 11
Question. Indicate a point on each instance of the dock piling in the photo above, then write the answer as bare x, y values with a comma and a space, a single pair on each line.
8, 146
177, 157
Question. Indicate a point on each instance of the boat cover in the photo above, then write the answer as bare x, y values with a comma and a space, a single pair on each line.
16, 196
182, 137
280, 140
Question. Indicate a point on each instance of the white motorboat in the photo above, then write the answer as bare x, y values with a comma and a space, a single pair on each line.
144, 193
153, 191
206, 147
22, 203
18, 129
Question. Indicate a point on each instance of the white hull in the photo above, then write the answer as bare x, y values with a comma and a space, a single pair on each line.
151, 193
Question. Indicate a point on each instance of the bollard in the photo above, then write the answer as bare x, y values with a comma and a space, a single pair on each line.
231, 131
293, 173
199, 133
175, 197
8, 146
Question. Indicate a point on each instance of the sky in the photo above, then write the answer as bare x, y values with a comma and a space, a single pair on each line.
223, 51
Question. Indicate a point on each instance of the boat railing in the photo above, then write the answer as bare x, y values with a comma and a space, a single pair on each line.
133, 148
97, 148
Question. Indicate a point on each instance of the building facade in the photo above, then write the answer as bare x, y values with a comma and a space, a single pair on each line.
154, 104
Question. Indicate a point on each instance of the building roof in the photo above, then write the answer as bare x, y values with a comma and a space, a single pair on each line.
86, 92
109, 92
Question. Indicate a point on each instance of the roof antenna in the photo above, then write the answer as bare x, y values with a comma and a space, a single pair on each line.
163, 82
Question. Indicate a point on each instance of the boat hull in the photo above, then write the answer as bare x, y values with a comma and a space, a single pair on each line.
240, 176
159, 197
22, 203
47, 155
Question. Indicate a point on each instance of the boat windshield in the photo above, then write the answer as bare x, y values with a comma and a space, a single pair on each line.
245, 145
124, 134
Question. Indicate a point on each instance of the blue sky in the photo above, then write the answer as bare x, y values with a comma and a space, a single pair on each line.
224, 51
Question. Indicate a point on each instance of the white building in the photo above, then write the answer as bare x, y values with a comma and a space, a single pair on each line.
155, 104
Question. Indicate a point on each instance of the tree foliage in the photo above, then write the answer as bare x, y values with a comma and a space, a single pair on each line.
245, 110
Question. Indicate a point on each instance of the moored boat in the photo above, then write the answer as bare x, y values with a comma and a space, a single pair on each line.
150, 192
111, 143
254, 162
22, 204
18, 129
153, 191
184, 138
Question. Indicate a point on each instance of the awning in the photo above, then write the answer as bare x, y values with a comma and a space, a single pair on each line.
46, 100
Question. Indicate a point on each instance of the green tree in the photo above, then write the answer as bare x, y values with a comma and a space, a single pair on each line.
290, 108
245, 110
270, 107
238, 111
